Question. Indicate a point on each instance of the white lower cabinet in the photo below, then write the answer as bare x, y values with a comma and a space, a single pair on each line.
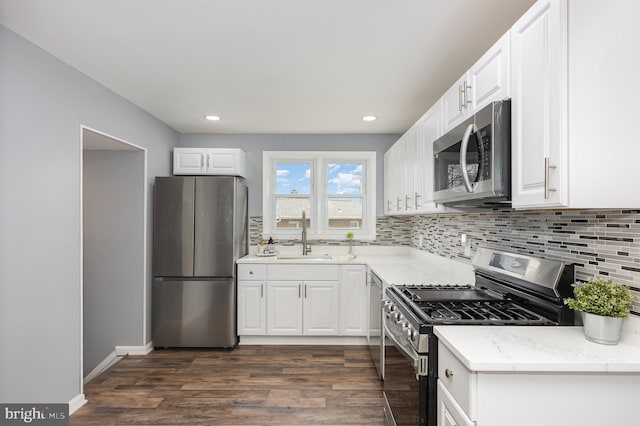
354, 300
320, 308
289, 300
251, 308
532, 398
284, 308
449, 412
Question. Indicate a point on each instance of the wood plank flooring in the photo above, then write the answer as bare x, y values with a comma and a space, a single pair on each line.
249, 385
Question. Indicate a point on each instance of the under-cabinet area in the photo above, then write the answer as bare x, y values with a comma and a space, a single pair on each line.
302, 300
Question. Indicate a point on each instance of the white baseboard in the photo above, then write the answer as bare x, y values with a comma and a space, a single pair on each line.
111, 359
77, 402
134, 350
302, 340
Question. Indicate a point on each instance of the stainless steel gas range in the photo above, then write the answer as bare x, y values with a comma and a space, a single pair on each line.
509, 289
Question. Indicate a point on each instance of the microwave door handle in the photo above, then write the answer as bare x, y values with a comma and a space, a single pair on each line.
463, 156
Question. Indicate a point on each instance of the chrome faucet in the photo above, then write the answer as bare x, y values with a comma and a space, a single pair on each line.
306, 247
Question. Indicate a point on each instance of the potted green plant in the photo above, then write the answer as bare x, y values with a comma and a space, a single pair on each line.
350, 241
603, 305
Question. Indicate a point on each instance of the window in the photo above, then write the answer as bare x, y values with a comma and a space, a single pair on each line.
335, 190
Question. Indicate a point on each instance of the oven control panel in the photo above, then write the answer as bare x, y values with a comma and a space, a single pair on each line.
403, 330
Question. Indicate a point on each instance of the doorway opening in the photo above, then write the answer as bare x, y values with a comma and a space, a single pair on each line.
114, 250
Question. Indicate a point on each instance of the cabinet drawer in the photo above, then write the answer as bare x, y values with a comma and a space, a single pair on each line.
456, 378
252, 272
304, 272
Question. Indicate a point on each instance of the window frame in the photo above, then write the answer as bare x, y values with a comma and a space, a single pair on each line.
319, 160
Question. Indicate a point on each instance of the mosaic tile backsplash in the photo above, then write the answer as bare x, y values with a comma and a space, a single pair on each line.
602, 243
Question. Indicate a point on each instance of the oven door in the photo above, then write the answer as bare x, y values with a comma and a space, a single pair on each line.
405, 382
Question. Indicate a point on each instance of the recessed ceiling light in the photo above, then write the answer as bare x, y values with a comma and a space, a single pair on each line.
369, 118
212, 117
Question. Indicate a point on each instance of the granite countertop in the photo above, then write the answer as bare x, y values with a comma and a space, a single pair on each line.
536, 349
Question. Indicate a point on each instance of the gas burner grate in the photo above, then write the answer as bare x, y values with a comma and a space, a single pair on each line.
479, 312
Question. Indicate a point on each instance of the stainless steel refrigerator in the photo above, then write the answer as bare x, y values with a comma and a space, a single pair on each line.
200, 229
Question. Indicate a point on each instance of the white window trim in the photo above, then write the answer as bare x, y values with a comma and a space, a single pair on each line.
320, 160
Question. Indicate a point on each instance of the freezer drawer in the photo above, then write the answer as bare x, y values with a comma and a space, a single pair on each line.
194, 313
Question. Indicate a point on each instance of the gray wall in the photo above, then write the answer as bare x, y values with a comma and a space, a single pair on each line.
254, 144
113, 233
43, 103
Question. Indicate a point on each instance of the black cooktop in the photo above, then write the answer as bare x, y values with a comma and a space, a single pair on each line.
439, 305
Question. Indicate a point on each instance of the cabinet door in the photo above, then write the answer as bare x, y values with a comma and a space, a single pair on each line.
251, 308
393, 178
225, 161
354, 301
284, 308
490, 75
449, 412
430, 129
189, 161
321, 313
538, 108
409, 164
456, 103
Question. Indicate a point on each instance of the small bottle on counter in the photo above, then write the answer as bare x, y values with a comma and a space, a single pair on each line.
261, 246
271, 248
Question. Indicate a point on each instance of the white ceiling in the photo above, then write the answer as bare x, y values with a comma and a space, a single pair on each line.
269, 66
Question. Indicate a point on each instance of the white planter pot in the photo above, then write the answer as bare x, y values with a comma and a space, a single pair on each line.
599, 329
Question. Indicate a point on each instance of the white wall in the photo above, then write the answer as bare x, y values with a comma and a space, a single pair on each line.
43, 103
113, 245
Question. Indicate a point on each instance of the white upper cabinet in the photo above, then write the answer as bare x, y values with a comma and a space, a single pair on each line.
486, 81
538, 119
573, 105
408, 167
209, 161
430, 129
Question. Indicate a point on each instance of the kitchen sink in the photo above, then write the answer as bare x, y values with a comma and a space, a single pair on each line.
314, 258
305, 258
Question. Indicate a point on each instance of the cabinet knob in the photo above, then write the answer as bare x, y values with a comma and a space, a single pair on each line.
448, 373
250, 272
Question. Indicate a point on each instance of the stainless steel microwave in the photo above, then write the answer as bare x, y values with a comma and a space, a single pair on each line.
472, 162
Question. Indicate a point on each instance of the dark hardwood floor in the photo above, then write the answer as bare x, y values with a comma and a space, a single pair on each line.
249, 385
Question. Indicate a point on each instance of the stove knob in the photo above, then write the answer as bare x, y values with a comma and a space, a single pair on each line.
395, 316
389, 307
414, 336
399, 319
406, 332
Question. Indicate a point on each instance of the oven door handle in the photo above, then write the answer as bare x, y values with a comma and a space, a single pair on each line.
418, 362
463, 156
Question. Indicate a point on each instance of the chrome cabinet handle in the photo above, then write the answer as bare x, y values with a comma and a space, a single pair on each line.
547, 188
415, 199
463, 156
448, 373
261, 291
305, 291
388, 205
398, 204
299, 291
406, 202
460, 98
466, 94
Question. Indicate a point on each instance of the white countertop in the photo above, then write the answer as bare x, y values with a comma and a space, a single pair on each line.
393, 264
539, 349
